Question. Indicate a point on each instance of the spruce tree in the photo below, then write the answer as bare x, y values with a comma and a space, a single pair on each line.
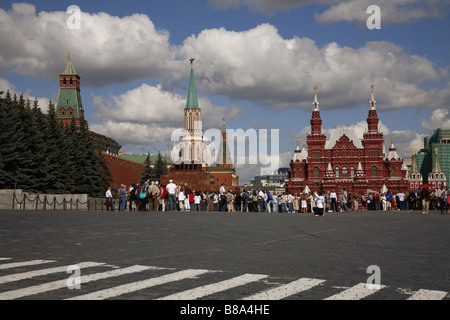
148, 171
160, 168
13, 145
59, 181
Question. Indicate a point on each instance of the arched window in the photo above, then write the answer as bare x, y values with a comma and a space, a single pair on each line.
337, 172
352, 172
393, 172
374, 171
344, 172
64, 81
62, 112
316, 172
71, 81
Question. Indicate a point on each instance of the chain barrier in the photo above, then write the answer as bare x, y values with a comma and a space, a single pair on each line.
65, 205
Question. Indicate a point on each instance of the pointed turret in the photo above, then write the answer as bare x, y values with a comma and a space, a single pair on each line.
192, 99
224, 156
414, 163
69, 98
392, 151
316, 120
372, 120
436, 163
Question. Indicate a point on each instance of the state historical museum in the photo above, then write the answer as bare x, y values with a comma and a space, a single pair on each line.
345, 160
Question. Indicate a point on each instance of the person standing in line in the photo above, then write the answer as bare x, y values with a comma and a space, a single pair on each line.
269, 202
304, 203
172, 195
448, 200
153, 195
290, 202
296, 203
133, 198
383, 201
163, 197
222, 193
197, 200
181, 198
216, 202
229, 197
238, 200
443, 200
187, 204
333, 198
245, 198
109, 197
122, 198
345, 199
319, 200
275, 203
356, 202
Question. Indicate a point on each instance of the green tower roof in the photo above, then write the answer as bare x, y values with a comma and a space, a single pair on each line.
192, 100
70, 69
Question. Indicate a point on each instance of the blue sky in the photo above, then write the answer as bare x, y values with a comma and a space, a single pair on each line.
256, 65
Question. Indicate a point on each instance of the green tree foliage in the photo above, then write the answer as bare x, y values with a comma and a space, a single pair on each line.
148, 170
38, 154
160, 168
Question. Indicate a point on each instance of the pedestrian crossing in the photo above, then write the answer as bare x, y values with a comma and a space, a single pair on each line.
100, 281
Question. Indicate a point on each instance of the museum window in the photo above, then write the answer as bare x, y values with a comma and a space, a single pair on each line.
316, 172
374, 171
352, 172
344, 172
337, 172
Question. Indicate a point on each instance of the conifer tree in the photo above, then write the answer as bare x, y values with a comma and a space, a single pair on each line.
148, 171
59, 181
13, 145
160, 168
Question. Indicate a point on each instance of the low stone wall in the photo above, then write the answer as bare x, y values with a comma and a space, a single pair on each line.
19, 200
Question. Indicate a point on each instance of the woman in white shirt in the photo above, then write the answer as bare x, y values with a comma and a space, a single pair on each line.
197, 200
319, 199
181, 198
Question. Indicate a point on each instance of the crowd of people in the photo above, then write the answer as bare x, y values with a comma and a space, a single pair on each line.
150, 196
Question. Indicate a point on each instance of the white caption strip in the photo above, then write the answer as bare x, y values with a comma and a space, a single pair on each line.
140, 285
23, 264
357, 292
215, 287
43, 272
423, 294
60, 284
287, 290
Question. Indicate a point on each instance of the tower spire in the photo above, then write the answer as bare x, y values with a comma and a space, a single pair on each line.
373, 102
192, 100
316, 121
316, 100
436, 163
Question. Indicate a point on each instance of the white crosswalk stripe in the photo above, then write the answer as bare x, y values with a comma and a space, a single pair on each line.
210, 289
360, 291
275, 291
60, 284
43, 272
428, 295
140, 285
287, 290
23, 264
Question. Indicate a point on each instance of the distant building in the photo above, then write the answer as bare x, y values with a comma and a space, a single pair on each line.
432, 163
344, 160
70, 107
274, 182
